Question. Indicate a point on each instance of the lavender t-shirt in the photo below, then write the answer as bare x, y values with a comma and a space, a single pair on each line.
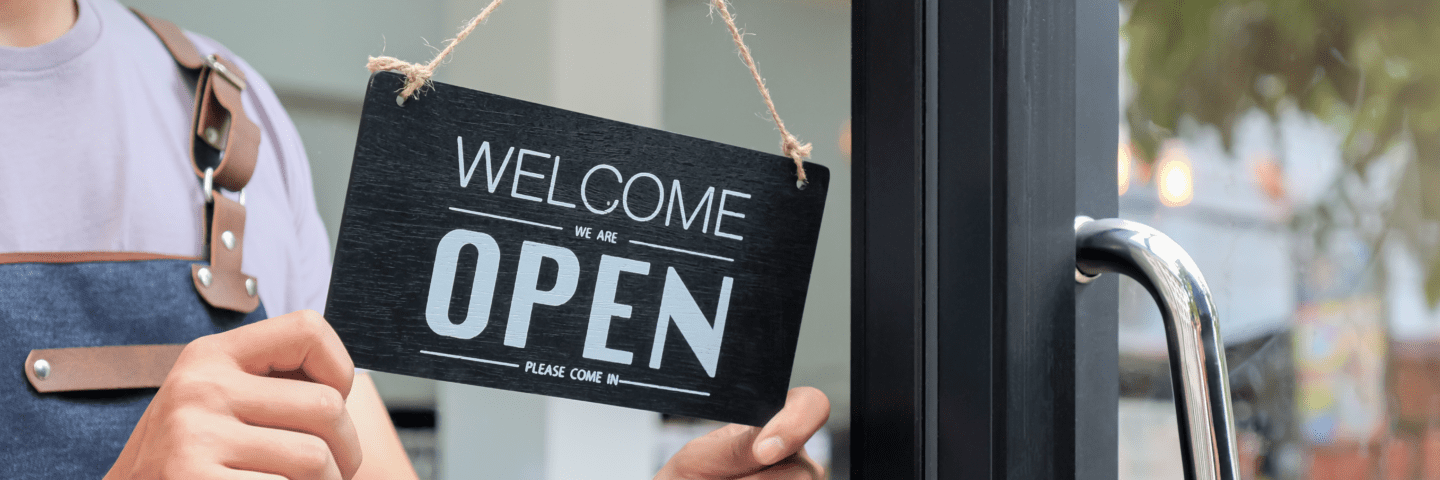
94, 157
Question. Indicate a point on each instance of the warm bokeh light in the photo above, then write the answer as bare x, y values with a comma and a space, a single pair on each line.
845, 139
1269, 177
1122, 167
1174, 179
1144, 171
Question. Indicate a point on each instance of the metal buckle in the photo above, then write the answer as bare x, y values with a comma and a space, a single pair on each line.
216, 137
210, 188
209, 185
214, 63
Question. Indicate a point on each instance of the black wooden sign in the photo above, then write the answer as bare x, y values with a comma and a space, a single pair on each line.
501, 243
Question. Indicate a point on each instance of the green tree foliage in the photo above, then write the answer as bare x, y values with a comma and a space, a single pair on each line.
1368, 68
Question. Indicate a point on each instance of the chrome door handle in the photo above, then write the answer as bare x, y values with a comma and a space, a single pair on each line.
1192, 332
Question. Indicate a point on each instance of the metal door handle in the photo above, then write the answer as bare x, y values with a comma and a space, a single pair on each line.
1192, 332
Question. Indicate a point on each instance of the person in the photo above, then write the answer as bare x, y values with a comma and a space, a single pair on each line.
113, 235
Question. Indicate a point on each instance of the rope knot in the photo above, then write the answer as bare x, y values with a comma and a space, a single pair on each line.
789, 145
416, 76
798, 152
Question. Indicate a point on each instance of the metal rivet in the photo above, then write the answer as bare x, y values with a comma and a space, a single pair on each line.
228, 239
212, 135
400, 100
801, 184
42, 369
250, 286
204, 275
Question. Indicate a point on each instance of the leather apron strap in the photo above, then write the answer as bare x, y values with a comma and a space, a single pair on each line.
100, 368
224, 146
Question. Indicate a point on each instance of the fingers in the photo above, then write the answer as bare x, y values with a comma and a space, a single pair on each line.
806, 410
798, 467
737, 450
222, 414
722, 453
289, 454
232, 474
222, 473
303, 407
295, 341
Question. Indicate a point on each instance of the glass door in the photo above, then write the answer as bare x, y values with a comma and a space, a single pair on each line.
1292, 148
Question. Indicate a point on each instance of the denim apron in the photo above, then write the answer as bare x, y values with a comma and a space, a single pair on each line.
67, 408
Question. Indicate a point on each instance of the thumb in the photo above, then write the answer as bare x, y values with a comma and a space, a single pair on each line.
806, 410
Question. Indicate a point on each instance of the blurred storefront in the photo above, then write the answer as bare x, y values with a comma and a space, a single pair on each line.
1305, 133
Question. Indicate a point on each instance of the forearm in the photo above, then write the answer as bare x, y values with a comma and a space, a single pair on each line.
384, 455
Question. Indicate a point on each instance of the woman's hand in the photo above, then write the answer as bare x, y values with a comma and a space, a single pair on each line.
263, 401
776, 452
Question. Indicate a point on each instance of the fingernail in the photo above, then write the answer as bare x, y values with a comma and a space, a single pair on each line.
770, 450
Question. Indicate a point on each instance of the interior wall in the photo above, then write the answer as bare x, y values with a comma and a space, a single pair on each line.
803, 50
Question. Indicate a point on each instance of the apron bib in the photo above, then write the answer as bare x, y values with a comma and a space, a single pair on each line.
79, 434
87, 337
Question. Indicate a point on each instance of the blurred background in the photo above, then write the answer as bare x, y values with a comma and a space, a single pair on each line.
1293, 148
659, 63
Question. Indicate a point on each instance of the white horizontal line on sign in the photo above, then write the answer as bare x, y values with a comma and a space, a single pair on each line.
527, 222
481, 360
673, 389
673, 249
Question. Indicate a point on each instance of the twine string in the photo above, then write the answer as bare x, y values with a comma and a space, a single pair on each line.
789, 145
417, 75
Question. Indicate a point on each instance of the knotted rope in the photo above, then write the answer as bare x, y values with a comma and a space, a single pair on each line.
418, 76
789, 145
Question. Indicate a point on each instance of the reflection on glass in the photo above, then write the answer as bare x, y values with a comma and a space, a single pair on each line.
1293, 148
1122, 167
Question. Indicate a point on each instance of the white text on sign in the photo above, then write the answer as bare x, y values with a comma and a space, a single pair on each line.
560, 371
630, 203
602, 235
676, 304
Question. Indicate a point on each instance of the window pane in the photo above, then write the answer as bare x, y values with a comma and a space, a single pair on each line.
1293, 148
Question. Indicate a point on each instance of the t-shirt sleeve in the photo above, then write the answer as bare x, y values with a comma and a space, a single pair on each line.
310, 266
306, 266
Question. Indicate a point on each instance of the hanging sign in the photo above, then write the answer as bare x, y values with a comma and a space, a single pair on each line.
495, 242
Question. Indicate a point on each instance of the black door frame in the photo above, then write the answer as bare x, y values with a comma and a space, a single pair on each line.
980, 130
